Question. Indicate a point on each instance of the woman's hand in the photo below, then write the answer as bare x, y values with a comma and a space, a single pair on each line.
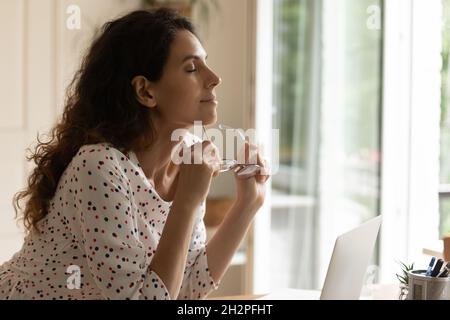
251, 190
194, 178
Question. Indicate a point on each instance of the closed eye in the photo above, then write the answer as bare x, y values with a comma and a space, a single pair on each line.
192, 67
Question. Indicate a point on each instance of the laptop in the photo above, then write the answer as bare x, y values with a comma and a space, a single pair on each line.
346, 270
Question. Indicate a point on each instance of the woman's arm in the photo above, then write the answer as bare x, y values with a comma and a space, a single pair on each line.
228, 237
170, 257
250, 197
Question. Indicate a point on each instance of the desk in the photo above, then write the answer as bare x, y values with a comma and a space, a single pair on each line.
377, 292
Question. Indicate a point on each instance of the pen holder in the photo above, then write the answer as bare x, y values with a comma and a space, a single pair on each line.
422, 287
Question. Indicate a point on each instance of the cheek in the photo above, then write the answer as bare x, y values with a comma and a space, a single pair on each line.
181, 100
184, 93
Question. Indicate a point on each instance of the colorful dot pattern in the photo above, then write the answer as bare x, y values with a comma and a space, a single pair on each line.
105, 218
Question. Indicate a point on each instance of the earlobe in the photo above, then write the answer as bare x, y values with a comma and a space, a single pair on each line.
143, 92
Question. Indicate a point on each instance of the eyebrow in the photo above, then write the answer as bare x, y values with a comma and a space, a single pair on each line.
193, 56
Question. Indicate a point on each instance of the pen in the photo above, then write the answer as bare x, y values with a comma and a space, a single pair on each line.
437, 267
430, 267
444, 272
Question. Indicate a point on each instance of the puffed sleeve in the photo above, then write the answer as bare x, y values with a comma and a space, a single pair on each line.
106, 223
197, 280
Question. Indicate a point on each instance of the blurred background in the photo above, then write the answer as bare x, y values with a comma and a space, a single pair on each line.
349, 97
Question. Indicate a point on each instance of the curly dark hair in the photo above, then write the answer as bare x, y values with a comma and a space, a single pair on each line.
101, 104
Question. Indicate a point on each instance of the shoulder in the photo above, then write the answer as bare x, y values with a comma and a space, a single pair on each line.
101, 155
98, 150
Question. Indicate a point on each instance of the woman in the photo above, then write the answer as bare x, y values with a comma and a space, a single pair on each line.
109, 215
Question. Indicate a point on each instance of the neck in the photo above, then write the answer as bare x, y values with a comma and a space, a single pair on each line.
156, 159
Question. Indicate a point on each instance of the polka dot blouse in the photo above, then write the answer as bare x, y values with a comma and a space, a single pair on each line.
100, 235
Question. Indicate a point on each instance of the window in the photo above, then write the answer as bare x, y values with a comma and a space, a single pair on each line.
327, 107
444, 194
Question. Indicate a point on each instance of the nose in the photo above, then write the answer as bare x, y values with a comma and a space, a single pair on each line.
213, 80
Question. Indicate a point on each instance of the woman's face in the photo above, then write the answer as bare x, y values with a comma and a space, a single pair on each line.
185, 93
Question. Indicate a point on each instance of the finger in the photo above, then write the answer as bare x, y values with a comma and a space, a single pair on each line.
254, 157
248, 154
263, 175
196, 152
252, 165
215, 165
187, 154
248, 171
243, 154
266, 170
211, 151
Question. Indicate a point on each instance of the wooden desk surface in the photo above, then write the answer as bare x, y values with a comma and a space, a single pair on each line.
388, 291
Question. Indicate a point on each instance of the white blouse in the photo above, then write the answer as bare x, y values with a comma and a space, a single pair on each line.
99, 237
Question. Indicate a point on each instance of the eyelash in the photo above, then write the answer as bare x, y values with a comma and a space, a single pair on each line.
194, 69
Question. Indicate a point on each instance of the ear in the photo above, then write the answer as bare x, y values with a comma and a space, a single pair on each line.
143, 91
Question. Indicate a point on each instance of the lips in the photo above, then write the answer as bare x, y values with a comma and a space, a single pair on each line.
209, 99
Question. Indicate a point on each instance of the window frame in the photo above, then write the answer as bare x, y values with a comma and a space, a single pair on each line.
410, 157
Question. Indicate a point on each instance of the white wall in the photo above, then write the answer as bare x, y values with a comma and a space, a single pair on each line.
27, 98
38, 57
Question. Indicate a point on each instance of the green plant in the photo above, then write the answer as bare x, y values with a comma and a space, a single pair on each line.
403, 277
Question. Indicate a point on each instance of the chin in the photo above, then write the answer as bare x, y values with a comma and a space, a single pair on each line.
210, 118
